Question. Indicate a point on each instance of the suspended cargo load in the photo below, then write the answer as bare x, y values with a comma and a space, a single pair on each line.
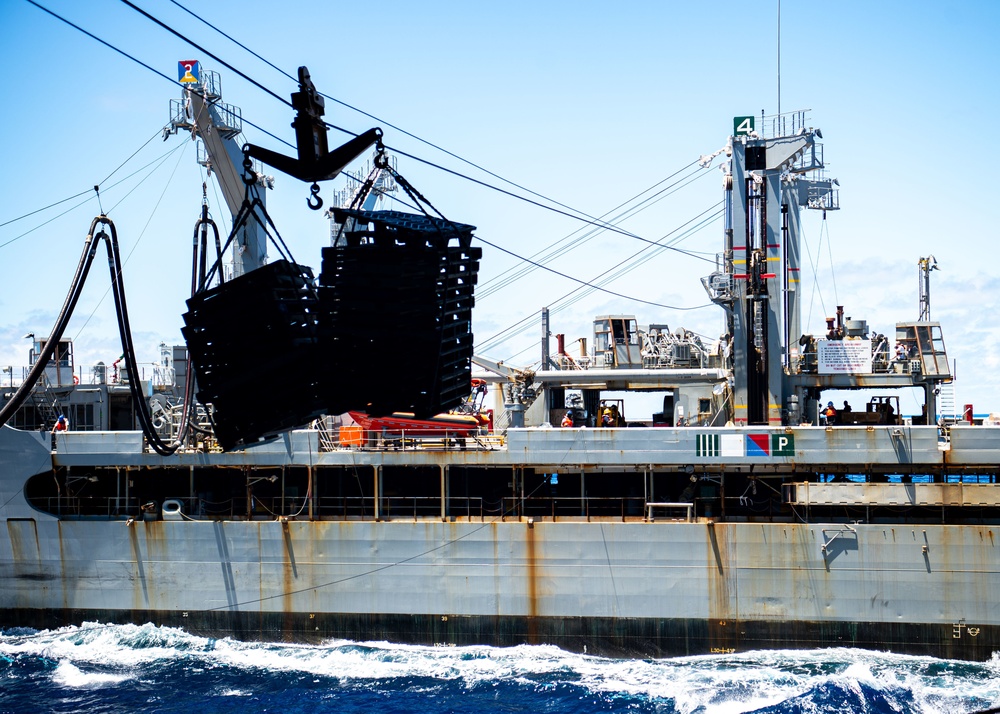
262, 323
396, 298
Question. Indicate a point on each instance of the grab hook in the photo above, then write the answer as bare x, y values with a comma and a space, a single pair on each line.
249, 176
314, 200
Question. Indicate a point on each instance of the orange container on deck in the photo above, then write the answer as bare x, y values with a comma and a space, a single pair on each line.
351, 435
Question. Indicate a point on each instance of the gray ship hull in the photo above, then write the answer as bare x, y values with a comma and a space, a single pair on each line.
648, 589
614, 585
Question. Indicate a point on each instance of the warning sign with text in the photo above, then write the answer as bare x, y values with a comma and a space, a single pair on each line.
844, 356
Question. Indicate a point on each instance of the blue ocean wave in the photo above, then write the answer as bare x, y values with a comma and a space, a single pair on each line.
119, 668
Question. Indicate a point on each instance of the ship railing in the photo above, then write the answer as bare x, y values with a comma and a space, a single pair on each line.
95, 507
270, 508
785, 124
573, 507
424, 507
688, 507
354, 437
81, 375
391, 507
808, 364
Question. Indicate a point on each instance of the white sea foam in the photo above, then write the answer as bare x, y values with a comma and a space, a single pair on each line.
69, 675
721, 684
234, 693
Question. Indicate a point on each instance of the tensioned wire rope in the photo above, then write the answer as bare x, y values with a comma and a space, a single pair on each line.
579, 293
551, 252
539, 259
449, 542
588, 220
158, 161
581, 215
393, 126
142, 233
82, 193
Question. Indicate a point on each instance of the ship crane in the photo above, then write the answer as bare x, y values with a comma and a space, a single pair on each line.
779, 374
519, 392
202, 112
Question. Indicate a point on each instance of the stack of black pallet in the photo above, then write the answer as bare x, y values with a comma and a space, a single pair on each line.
254, 348
396, 302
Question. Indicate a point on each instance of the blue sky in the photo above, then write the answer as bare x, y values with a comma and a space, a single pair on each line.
586, 103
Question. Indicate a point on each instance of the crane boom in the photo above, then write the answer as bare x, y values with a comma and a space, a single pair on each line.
202, 112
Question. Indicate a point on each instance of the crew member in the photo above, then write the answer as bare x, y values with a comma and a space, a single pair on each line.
567, 420
606, 419
61, 424
830, 413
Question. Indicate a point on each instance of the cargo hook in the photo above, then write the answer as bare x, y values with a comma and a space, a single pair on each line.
249, 177
381, 161
314, 200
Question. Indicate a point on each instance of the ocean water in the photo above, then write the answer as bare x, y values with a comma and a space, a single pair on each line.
129, 668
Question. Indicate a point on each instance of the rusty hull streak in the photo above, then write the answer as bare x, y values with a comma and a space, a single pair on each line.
140, 568
62, 566
722, 630
27, 565
17, 544
289, 575
532, 573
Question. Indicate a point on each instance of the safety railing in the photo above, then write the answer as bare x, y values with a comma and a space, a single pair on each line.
98, 507
881, 364
687, 507
354, 437
387, 508
573, 507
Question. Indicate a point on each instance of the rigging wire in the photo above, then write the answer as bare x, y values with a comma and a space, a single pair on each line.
211, 54
817, 291
566, 301
134, 188
638, 259
584, 282
377, 119
54, 218
495, 340
98, 39
390, 124
582, 217
159, 159
141, 233
39, 210
588, 220
550, 253
825, 228
402, 561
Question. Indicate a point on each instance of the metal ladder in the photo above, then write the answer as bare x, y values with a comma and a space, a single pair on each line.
46, 404
946, 402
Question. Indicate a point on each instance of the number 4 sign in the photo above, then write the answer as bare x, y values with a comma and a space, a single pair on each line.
742, 126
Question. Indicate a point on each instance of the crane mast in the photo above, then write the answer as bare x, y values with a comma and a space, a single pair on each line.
201, 112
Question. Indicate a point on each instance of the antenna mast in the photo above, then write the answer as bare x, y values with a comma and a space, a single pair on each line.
779, 58
926, 266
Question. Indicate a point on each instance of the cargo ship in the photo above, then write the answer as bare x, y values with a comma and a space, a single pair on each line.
742, 515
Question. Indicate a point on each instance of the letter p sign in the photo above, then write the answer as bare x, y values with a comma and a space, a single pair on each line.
782, 445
